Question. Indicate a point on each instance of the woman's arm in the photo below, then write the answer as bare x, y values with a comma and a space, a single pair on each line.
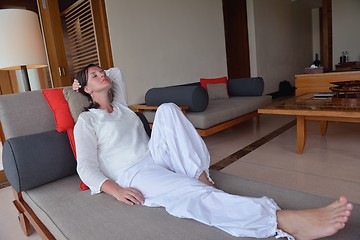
119, 86
88, 166
129, 196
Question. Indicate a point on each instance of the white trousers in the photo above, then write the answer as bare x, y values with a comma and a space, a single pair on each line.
169, 178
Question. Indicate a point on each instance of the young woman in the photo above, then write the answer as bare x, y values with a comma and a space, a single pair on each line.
170, 169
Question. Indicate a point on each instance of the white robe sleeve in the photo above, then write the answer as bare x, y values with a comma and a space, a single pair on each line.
119, 86
87, 158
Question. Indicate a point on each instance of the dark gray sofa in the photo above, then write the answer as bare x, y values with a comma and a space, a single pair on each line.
211, 116
41, 168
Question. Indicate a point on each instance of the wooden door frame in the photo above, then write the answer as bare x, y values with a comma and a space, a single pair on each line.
236, 38
54, 39
326, 46
102, 34
54, 43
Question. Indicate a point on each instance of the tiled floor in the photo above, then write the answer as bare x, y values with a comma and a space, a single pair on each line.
9, 226
329, 165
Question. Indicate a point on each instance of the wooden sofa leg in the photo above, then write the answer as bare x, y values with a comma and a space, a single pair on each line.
23, 220
258, 119
24, 224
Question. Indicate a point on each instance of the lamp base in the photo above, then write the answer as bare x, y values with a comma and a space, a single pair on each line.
25, 78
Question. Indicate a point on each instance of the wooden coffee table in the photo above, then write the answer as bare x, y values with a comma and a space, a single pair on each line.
305, 107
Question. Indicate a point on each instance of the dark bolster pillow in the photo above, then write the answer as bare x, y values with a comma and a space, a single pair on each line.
195, 97
246, 87
33, 160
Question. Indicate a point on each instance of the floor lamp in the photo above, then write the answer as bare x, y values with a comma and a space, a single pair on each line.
21, 42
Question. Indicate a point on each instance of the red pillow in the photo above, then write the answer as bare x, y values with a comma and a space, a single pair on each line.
60, 108
63, 119
70, 133
205, 81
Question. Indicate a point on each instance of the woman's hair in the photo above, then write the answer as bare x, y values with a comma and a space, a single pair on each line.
82, 78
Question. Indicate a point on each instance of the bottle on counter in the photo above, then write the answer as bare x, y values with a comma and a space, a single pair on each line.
342, 57
317, 61
346, 56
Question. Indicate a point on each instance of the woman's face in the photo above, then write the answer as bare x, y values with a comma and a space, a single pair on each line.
97, 80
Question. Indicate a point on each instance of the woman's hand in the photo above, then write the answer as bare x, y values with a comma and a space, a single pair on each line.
130, 196
76, 85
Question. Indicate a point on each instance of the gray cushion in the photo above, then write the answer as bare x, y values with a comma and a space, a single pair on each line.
76, 101
195, 97
217, 91
246, 86
33, 160
222, 110
25, 113
72, 214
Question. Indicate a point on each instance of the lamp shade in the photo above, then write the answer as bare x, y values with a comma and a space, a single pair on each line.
21, 42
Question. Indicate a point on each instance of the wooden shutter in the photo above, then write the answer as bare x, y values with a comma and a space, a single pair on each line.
81, 38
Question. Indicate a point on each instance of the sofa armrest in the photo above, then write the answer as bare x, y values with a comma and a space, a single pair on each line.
33, 160
246, 87
195, 97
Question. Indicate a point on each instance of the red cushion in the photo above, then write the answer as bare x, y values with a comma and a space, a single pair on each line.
205, 81
83, 186
60, 108
63, 119
70, 133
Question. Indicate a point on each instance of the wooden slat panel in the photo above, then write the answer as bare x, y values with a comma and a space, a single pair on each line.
83, 55
84, 33
79, 48
75, 7
83, 16
71, 17
81, 35
86, 59
75, 27
83, 39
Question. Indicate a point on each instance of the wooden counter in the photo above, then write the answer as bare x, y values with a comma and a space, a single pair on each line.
321, 82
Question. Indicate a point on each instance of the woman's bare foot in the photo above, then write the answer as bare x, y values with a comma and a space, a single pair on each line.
203, 178
315, 223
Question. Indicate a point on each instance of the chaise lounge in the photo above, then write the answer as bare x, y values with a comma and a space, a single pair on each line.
41, 168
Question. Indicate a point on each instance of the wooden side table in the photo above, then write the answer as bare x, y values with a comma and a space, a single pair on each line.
142, 107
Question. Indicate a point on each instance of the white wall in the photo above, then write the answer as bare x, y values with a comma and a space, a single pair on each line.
346, 34
283, 40
315, 12
166, 42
